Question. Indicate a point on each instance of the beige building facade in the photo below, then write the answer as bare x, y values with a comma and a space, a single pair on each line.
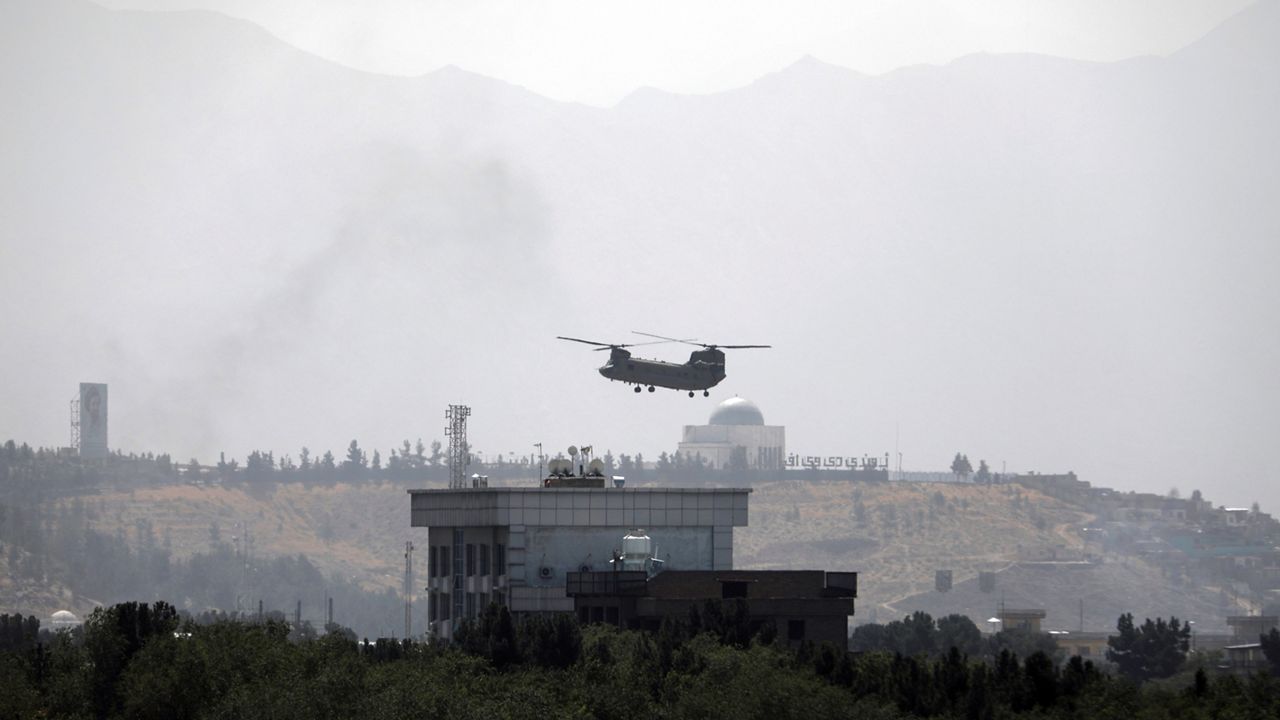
736, 437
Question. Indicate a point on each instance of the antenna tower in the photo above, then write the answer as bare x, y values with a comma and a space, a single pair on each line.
408, 590
75, 423
456, 431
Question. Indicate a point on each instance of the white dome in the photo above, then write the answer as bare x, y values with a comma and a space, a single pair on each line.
736, 411
65, 616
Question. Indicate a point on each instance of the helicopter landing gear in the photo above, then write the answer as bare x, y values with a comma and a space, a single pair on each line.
637, 388
690, 393
651, 388
706, 393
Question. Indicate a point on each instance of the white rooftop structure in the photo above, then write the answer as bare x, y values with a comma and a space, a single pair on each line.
736, 437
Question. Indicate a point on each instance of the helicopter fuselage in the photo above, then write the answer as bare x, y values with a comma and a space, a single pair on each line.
704, 370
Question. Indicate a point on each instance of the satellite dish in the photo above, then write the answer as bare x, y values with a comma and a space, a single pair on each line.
596, 467
573, 450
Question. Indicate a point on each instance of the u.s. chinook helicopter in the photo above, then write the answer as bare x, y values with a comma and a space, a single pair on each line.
704, 369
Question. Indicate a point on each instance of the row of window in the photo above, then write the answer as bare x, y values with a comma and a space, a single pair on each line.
438, 604
477, 558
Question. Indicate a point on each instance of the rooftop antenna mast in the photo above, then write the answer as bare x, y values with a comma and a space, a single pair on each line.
456, 431
408, 590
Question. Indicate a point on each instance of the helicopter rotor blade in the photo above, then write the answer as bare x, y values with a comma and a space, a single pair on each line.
585, 342
740, 347
664, 338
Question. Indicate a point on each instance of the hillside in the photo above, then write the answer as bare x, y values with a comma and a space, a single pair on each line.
908, 531
896, 535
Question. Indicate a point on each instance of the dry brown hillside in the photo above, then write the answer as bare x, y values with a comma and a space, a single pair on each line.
895, 534
357, 531
907, 531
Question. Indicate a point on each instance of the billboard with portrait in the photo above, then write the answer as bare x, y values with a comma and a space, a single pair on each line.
93, 420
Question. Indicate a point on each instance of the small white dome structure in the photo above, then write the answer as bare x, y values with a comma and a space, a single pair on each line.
64, 619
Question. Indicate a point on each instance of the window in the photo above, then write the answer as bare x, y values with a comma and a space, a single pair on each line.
471, 560
431, 605
795, 630
500, 559
444, 607
471, 605
484, 559
432, 568
444, 561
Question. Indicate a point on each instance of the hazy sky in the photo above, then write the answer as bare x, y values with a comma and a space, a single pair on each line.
1062, 265
597, 52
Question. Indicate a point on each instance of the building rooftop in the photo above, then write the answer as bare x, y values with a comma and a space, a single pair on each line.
582, 507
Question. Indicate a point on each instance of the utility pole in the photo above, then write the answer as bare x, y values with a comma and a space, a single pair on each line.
408, 589
539, 446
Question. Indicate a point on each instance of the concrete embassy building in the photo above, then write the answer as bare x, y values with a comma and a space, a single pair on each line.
515, 546
736, 426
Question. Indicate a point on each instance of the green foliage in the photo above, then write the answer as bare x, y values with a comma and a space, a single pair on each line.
1271, 650
230, 669
17, 633
918, 633
1154, 650
1022, 643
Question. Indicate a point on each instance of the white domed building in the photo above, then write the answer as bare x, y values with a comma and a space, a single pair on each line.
64, 620
736, 426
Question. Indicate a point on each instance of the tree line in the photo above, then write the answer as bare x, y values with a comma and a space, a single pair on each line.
136, 660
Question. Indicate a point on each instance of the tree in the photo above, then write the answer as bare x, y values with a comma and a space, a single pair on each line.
958, 631
1271, 650
984, 473
437, 455
326, 462
355, 458
1021, 642
1154, 650
376, 463
738, 458
304, 459
960, 466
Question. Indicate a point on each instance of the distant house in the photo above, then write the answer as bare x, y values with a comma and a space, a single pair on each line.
1020, 619
1246, 658
1248, 628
